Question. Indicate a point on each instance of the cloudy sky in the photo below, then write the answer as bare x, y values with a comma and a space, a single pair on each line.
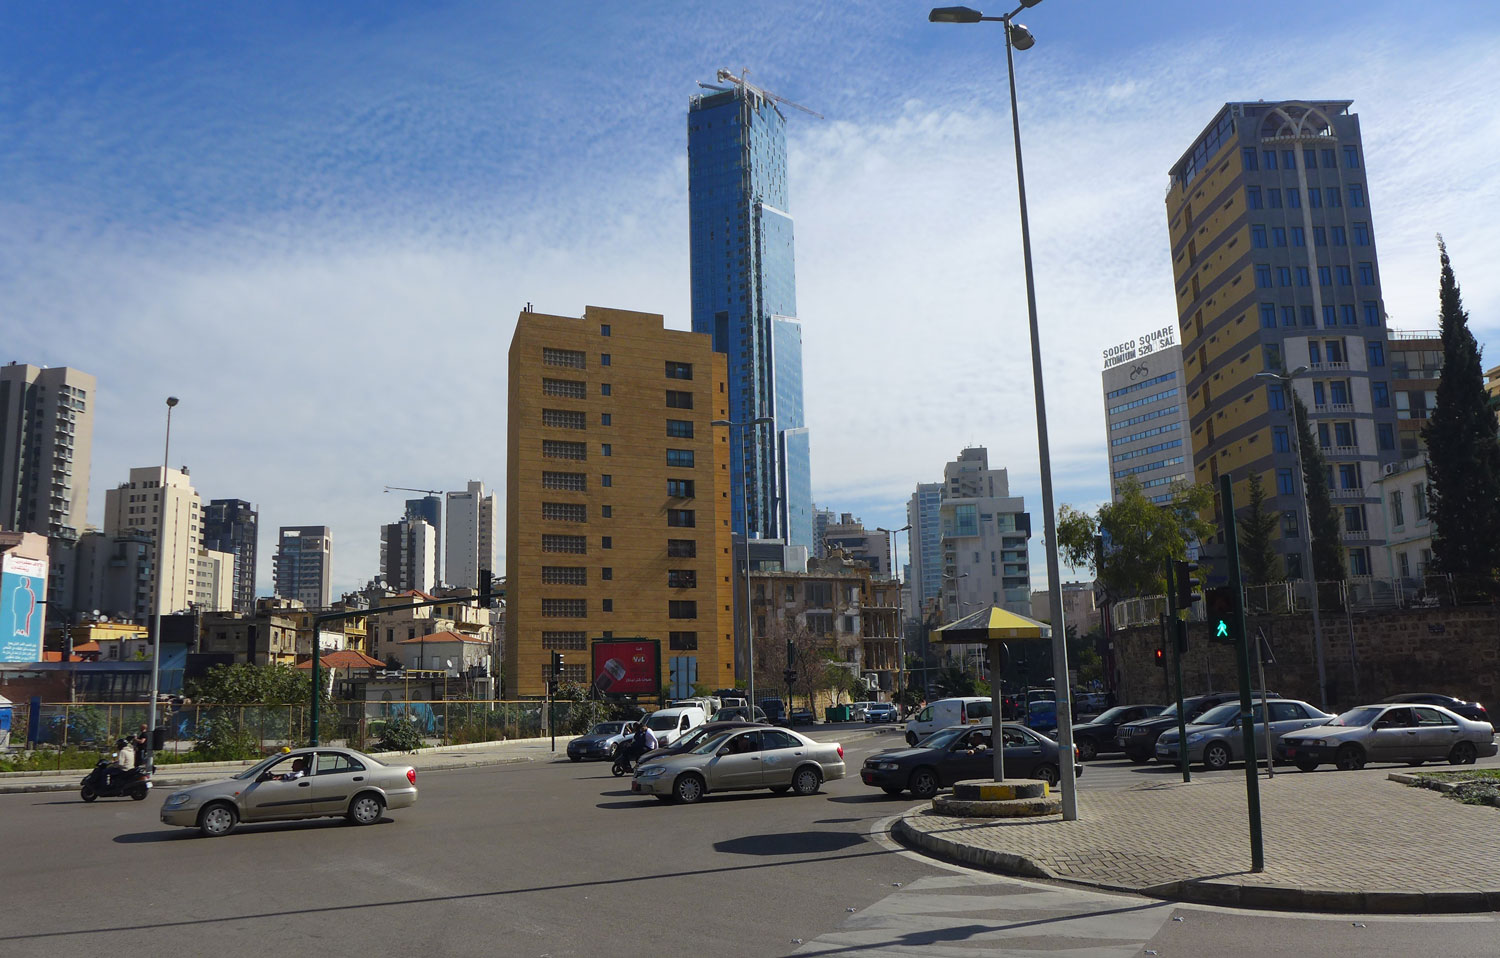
316, 223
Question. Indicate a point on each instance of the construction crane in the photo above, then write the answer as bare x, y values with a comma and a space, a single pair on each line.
430, 492
724, 76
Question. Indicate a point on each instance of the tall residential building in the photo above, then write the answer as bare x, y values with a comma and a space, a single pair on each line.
926, 569
170, 512
1273, 250
617, 496
983, 544
230, 525
303, 567
822, 519
744, 296
1416, 367
46, 434
1145, 412
408, 555
471, 534
114, 574
429, 509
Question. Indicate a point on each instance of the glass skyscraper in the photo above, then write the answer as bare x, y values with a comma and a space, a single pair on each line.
744, 296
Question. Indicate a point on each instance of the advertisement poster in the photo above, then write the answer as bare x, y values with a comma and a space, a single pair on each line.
23, 587
627, 666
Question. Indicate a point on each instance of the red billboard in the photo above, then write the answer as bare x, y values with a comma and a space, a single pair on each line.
627, 666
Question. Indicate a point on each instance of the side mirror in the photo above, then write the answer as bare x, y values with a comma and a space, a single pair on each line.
723, 751
264, 777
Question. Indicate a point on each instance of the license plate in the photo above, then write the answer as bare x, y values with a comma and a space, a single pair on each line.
1291, 751
635, 786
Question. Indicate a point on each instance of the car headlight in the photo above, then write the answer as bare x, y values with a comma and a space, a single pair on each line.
1196, 737
181, 798
651, 771
888, 766
1316, 741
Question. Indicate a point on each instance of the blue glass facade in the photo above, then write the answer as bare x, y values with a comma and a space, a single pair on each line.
744, 296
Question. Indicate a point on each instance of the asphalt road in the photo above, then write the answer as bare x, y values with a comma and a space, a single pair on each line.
559, 859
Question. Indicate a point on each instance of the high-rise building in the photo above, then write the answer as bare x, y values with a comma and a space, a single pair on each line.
471, 534
1145, 413
1416, 369
429, 509
1273, 251
114, 574
926, 567
983, 544
170, 512
46, 434
303, 567
744, 297
617, 497
408, 555
230, 525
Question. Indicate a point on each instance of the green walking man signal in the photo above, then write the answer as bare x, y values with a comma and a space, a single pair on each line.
1219, 606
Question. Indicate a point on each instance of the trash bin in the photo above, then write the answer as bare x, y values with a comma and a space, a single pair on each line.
839, 713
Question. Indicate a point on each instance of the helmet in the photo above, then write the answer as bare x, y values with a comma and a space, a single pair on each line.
285, 749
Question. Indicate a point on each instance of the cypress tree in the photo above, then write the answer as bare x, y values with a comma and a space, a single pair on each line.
1463, 452
1322, 521
1258, 556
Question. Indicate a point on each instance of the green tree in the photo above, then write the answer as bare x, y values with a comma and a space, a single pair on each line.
1463, 453
244, 684
1143, 537
1323, 521
1258, 556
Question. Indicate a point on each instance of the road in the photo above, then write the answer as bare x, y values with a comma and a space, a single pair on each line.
559, 859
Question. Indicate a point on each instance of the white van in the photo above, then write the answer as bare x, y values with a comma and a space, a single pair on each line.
668, 725
972, 710
708, 704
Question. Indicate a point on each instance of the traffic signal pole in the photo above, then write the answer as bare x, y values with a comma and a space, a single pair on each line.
1242, 656
1177, 639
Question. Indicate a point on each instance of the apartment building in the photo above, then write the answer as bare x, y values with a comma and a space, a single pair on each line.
166, 507
472, 518
303, 568
46, 438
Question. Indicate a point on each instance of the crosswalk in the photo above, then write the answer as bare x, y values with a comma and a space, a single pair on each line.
966, 915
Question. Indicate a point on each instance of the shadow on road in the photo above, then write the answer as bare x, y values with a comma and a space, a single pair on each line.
168, 833
874, 798
790, 843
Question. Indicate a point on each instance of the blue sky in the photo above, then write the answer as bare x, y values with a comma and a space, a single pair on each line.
316, 223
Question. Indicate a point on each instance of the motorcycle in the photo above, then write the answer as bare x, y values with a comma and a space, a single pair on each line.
109, 780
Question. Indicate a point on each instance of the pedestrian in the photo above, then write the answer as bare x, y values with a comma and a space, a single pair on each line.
138, 743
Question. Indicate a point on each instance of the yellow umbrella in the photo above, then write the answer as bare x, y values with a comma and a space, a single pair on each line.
992, 624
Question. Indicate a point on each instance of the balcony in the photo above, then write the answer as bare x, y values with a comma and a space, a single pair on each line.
1334, 407
1356, 535
1341, 452
1327, 367
1337, 493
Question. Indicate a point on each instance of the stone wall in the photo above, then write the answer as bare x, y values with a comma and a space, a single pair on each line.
1454, 651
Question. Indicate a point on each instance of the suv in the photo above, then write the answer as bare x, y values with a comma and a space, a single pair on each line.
1138, 739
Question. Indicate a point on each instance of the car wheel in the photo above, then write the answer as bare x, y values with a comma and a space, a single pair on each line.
924, 783
911, 739
1349, 758
575, 758
1216, 756
1087, 750
1464, 753
664, 799
807, 781
1305, 765
1138, 759
1414, 762
779, 789
892, 789
687, 789
1047, 773
217, 820
365, 809
138, 793
87, 793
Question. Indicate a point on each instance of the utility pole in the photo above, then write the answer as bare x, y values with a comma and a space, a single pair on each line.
1242, 658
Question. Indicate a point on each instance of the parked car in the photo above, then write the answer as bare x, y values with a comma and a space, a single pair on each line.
775, 709
1390, 733
1098, 736
697, 735
670, 724
1138, 739
741, 713
959, 753
774, 758
331, 782
858, 710
1215, 738
1469, 710
969, 710
801, 716
602, 741
880, 712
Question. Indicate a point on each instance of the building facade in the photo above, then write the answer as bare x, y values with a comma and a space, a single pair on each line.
230, 525
1275, 267
303, 567
46, 439
171, 513
1145, 412
617, 500
1416, 367
744, 297
848, 534
983, 548
472, 521
926, 566
408, 555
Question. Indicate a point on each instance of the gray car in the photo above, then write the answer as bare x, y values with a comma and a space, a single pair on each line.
303, 783
1215, 737
740, 759
1390, 733
602, 741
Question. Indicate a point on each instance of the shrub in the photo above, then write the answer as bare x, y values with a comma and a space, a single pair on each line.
222, 739
399, 735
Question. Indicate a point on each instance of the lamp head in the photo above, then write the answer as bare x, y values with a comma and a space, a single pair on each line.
954, 15
1020, 37
171, 401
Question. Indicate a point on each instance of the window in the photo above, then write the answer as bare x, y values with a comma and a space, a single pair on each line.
606, 449
576, 545
682, 548
1376, 351
677, 399
605, 419
1258, 237
1325, 438
1380, 393
1248, 158
1289, 528
1309, 161
1284, 482
1288, 159
682, 641
1398, 509
681, 518
604, 389
1315, 197
604, 359
1419, 499
680, 488
679, 370
1288, 318
1320, 394
606, 542
565, 511
1303, 277
1343, 435
1278, 236
606, 605
1320, 236
1372, 314
1349, 479
606, 573
1284, 275
571, 481
1356, 195
571, 358
1359, 561
818, 595
820, 623
1267, 316
1361, 234
563, 418
1252, 197
1299, 236
1280, 439
682, 609
1307, 316
565, 388
564, 608
1294, 198
1325, 276
558, 449
564, 640
1332, 196
680, 458
1338, 391
1263, 276
680, 428
607, 512
1367, 274
1385, 435
1346, 314
1276, 396
1330, 319
564, 575
1273, 199
604, 329
1351, 157
1270, 157
1345, 277
682, 579
607, 480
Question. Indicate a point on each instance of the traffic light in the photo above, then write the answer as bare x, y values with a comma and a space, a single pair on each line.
557, 666
790, 675
1219, 606
1187, 586
486, 584
1161, 657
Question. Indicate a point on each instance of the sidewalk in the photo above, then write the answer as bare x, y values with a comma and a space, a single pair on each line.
1334, 841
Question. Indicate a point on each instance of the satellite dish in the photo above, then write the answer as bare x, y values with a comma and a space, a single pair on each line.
449, 663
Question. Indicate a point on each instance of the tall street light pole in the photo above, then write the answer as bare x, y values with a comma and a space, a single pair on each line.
1310, 570
149, 761
745, 518
900, 610
1018, 37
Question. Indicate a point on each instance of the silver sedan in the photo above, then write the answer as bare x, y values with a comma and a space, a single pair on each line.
1215, 737
302, 783
740, 759
1390, 733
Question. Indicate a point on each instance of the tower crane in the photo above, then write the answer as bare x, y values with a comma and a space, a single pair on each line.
724, 76
430, 492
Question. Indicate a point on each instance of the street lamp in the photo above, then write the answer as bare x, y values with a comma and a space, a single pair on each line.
745, 518
1019, 38
900, 610
149, 761
1311, 571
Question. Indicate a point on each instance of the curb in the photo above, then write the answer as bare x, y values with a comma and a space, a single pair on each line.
1207, 892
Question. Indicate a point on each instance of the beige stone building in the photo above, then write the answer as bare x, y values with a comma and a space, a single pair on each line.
617, 500
170, 512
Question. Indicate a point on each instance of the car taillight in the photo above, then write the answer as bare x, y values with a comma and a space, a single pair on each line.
411, 775
841, 750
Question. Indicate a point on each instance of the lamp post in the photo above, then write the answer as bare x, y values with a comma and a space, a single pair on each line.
149, 760
1019, 38
1310, 570
900, 610
745, 518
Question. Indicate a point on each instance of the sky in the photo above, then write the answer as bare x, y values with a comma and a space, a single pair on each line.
316, 224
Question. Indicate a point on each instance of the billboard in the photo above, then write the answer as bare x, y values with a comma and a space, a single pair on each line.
23, 592
627, 666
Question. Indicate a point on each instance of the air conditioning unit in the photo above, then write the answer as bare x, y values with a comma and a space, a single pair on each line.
1390, 469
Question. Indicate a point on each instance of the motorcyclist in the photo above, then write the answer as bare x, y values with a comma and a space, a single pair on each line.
124, 760
644, 741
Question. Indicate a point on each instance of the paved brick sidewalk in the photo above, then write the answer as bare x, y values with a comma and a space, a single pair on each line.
1333, 841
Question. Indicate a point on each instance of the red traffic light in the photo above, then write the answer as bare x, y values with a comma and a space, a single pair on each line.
1161, 657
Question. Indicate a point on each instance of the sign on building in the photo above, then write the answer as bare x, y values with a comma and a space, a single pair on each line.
23, 591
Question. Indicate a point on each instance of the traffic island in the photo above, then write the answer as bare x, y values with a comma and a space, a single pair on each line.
1021, 798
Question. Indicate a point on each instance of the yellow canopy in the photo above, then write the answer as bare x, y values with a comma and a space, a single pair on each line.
993, 624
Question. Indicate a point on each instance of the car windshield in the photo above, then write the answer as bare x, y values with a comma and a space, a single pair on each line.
942, 738
713, 744
1357, 717
254, 771
1219, 714
1113, 715
660, 723
608, 728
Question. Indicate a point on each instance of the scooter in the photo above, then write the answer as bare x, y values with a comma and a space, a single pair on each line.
109, 780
